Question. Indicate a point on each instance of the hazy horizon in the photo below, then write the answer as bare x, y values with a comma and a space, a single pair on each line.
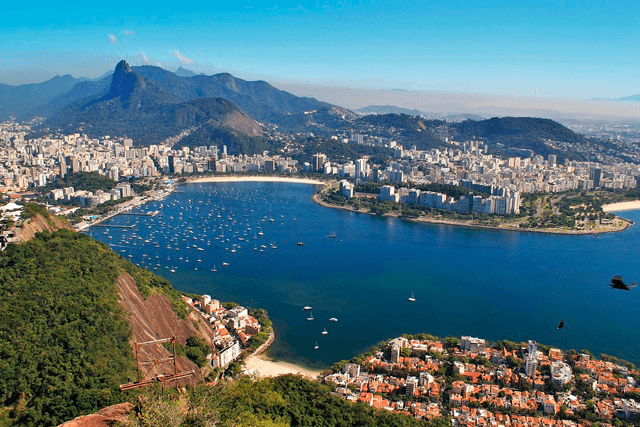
548, 49
464, 55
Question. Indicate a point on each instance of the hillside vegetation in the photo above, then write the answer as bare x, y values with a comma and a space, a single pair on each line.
64, 338
540, 135
83, 181
64, 349
283, 401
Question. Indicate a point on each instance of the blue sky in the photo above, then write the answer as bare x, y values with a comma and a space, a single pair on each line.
568, 49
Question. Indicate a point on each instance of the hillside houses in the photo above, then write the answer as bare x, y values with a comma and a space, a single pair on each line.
234, 328
478, 384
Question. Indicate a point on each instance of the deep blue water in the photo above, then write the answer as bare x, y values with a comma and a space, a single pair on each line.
486, 283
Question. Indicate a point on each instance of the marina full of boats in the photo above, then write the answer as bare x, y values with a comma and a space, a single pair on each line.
199, 233
203, 234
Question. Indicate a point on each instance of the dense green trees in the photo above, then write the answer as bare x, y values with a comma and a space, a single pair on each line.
197, 350
64, 340
409, 130
342, 152
30, 210
63, 337
85, 181
284, 401
521, 132
236, 142
517, 132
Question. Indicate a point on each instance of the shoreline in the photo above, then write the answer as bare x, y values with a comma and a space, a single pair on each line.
136, 202
264, 367
256, 178
627, 223
613, 207
259, 364
622, 206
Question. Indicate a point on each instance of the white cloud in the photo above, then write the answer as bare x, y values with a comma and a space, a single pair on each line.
158, 64
113, 39
145, 59
129, 33
180, 57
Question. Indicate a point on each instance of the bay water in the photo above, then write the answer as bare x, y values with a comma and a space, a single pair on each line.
485, 283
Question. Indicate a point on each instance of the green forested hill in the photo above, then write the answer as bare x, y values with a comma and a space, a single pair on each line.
512, 132
64, 350
521, 132
287, 400
64, 340
408, 130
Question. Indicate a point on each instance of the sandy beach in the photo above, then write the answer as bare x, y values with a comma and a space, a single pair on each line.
622, 206
258, 178
269, 368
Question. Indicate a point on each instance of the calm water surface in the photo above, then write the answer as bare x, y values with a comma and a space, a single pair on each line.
485, 283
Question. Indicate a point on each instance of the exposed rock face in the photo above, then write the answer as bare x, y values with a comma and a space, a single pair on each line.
39, 223
148, 112
237, 120
124, 82
106, 417
153, 319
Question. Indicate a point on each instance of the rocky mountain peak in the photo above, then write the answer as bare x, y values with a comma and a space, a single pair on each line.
123, 67
124, 81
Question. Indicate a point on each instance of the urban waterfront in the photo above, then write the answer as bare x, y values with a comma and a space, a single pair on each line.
486, 283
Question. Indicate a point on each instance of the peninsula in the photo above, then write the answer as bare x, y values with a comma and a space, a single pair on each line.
569, 213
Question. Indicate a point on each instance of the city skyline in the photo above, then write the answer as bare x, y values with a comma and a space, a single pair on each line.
551, 50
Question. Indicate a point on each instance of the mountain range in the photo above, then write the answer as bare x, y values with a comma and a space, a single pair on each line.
257, 98
18, 101
634, 98
152, 105
149, 112
388, 109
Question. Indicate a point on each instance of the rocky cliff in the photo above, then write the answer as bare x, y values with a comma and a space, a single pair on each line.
42, 222
154, 318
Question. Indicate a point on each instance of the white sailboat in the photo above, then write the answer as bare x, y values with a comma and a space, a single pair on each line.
310, 316
325, 332
412, 298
